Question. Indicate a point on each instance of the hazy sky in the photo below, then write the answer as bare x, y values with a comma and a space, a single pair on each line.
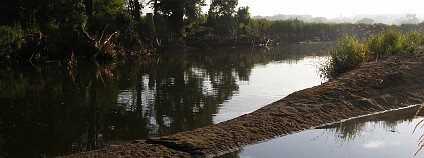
333, 8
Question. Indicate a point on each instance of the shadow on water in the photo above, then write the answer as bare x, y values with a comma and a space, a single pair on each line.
382, 135
53, 110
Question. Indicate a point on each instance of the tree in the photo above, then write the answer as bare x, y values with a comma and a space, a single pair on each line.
221, 17
179, 13
411, 19
243, 19
365, 21
243, 15
134, 6
222, 8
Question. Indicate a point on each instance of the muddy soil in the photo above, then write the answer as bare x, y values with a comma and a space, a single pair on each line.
389, 83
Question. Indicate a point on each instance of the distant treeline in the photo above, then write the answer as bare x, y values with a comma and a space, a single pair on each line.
293, 31
41, 31
389, 19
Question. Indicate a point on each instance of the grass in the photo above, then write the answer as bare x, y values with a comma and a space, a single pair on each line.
419, 126
351, 52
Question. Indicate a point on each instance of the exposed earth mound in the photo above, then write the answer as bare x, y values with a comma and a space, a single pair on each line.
390, 83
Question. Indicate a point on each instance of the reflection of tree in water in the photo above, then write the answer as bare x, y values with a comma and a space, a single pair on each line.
389, 121
2, 142
49, 113
52, 112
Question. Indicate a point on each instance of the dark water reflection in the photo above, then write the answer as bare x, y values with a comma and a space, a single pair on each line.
378, 136
54, 109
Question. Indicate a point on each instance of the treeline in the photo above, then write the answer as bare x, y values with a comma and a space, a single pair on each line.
45, 30
293, 31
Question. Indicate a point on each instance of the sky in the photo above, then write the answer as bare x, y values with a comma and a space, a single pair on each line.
332, 8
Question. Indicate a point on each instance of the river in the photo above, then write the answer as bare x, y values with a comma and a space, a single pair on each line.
57, 109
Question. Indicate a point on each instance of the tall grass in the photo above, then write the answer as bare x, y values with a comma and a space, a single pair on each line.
351, 52
419, 125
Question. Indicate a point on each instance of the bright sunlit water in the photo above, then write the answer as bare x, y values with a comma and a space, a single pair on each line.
380, 136
267, 85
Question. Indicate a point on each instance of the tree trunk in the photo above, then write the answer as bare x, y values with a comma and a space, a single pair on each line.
155, 8
137, 10
152, 30
177, 17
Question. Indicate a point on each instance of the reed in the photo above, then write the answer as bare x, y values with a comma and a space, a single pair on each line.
350, 52
419, 126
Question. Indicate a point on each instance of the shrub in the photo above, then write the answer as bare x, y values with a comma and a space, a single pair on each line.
392, 42
347, 55
413, 40
351, 52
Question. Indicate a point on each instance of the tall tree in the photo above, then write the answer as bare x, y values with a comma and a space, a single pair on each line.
243, 19
134, 6
179, 12
219, 8
243, 15
221, 16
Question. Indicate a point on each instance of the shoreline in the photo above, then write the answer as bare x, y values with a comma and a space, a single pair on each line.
391, 83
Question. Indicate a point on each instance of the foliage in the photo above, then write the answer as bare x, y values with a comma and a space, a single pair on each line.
243, 19
60, 31
52, 29
56, 29
11, 39
221, 17
179, 13
347, 55
393, 41
351, 52
111, 13
48, 27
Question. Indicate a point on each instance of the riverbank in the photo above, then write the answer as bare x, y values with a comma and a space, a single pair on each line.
389, 83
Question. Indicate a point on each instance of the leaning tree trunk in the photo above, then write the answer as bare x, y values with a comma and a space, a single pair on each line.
152, 30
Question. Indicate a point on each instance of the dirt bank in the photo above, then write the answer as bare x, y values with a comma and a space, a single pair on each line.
389, 83
139, 149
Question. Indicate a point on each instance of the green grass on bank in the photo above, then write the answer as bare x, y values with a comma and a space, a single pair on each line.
350, 52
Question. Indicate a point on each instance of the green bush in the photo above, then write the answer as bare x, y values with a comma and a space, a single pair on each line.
351, 52
393, 41
413, 40
347, 55
386, 43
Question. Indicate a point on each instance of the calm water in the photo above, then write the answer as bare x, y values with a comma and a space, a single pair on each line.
380, 136
55, 109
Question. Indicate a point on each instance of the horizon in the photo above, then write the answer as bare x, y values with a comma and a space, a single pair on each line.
329, 8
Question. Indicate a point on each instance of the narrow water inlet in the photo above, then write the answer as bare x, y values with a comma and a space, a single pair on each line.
383, 134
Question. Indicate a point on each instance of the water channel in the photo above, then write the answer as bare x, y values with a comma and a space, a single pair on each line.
378, 136
55, 109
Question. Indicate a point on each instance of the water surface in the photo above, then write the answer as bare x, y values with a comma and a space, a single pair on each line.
379, 136
57, 109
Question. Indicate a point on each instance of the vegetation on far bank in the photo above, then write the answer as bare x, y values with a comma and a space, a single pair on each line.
41, 31
350, 51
